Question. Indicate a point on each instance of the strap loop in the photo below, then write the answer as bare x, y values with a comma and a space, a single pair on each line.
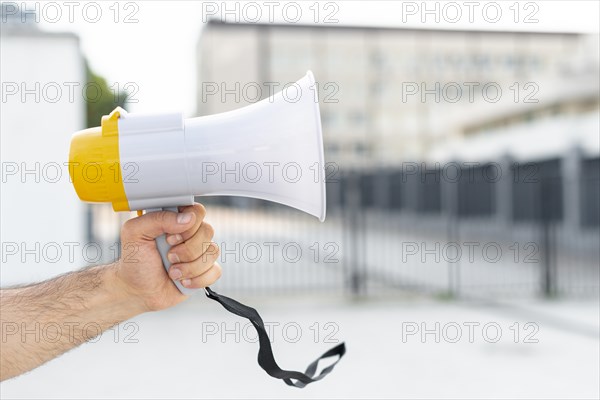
265, 353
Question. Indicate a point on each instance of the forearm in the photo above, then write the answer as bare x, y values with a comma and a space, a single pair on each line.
42, 321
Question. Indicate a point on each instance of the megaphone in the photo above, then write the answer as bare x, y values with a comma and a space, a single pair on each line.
270, 150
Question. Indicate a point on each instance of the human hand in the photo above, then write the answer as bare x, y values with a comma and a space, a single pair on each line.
140, 270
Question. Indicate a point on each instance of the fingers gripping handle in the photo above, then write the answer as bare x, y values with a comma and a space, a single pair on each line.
163, 249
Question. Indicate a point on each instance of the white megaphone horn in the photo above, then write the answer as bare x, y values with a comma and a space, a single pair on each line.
271, 150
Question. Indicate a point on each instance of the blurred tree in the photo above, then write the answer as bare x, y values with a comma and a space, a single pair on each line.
100, 98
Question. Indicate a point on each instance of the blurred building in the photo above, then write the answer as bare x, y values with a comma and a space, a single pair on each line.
561, 114
555, 138
389, 95
394, 97
42, 76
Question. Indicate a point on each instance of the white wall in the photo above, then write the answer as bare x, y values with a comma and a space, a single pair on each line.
39, 209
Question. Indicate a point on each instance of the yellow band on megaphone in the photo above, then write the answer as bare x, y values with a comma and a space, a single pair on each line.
94, 163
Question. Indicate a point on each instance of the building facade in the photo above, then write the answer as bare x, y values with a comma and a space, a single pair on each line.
387, 95
43, 222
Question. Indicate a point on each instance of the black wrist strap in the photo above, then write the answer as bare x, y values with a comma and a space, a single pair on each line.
265, 352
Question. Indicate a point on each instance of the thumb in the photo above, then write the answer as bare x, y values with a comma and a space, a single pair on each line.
151, 225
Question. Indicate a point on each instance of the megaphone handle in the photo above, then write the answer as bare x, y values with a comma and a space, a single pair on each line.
163, 249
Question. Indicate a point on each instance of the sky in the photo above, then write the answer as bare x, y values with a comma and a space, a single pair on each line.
150, 46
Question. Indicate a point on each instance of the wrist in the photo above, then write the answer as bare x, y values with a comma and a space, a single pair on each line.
120, 295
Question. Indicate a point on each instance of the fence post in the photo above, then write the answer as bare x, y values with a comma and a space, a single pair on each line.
449, 208
357, 278
547, 251
503, 193
571, 172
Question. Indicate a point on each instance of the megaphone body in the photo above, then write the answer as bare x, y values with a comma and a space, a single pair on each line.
271, 150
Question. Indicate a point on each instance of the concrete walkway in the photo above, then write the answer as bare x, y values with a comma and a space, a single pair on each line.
198, 350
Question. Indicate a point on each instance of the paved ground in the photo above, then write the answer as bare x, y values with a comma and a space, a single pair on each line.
176, 356
526, 348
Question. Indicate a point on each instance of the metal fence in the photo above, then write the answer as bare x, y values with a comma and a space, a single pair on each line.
523, 232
